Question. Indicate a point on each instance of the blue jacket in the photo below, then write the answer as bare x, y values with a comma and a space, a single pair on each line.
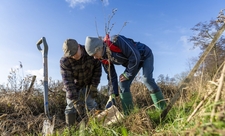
132, 54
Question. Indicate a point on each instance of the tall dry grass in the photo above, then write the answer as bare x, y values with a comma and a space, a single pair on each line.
22, 112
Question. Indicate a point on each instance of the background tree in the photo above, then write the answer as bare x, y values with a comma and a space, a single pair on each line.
204, 34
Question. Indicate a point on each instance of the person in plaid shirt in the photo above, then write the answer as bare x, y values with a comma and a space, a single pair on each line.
80, 72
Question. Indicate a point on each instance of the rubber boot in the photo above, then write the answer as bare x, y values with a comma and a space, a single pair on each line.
156, 97
127, 102
70, 118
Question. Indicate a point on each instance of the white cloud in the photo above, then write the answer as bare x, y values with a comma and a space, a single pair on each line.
184, 41
188, 47
81, 3
15, 67
105, 2
74, 3
38, 73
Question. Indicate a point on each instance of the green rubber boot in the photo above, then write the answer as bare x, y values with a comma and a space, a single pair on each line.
156, 97
70, 118
127, 102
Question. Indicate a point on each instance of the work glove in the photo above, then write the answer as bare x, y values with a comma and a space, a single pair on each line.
93, 91
111, 101
123, 77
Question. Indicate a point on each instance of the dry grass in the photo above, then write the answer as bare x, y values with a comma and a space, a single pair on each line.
22, 113
139, 123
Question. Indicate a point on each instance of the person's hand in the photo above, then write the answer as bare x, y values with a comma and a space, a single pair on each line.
111, 101
72, 95
123, 77
93, 91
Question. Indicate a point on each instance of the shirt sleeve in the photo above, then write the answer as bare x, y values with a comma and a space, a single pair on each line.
130, 50
97, 73
68, 79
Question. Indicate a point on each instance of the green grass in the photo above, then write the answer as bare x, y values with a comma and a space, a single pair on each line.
175, 123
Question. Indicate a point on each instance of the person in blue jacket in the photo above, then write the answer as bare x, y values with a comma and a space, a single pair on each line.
133, 55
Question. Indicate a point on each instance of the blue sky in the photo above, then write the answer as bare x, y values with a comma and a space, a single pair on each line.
162, 25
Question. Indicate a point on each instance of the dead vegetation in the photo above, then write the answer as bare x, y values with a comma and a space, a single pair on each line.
139, 123
22, 113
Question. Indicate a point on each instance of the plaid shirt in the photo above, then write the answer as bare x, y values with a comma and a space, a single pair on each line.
76, 74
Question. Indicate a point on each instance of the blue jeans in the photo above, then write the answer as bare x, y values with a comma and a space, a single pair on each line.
90, 102
148, 80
